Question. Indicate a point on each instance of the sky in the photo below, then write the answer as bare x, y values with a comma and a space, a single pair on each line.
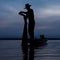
46, 12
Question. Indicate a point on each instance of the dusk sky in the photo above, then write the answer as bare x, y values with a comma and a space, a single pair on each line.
46, 12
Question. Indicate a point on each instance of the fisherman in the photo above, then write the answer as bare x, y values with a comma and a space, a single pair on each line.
30, 16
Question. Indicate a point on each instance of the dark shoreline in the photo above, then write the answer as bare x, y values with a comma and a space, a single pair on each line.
28, 39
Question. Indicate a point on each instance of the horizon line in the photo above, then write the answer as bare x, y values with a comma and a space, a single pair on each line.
28, 39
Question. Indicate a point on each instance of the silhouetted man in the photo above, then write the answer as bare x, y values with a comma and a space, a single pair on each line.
30, 16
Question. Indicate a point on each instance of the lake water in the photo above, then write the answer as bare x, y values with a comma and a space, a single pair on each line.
12, 50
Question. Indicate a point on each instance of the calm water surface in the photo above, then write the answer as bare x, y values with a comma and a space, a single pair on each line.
12, 50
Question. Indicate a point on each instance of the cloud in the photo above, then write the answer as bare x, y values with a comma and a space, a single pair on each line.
48, 12
10, 8
42, 27
9, 13
11, 30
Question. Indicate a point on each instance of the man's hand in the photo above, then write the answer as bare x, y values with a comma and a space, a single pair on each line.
24, 16
21, 13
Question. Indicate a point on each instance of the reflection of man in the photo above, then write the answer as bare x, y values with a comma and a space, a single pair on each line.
30, 16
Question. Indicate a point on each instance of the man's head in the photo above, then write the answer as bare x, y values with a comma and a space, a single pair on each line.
27, 6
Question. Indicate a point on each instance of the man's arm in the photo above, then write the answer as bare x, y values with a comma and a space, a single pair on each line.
22, 12
24, 15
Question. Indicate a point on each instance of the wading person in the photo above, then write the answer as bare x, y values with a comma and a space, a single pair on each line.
29, 14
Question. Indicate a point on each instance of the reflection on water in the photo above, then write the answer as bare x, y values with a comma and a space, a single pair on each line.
12, 50
28, 50
46, 52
